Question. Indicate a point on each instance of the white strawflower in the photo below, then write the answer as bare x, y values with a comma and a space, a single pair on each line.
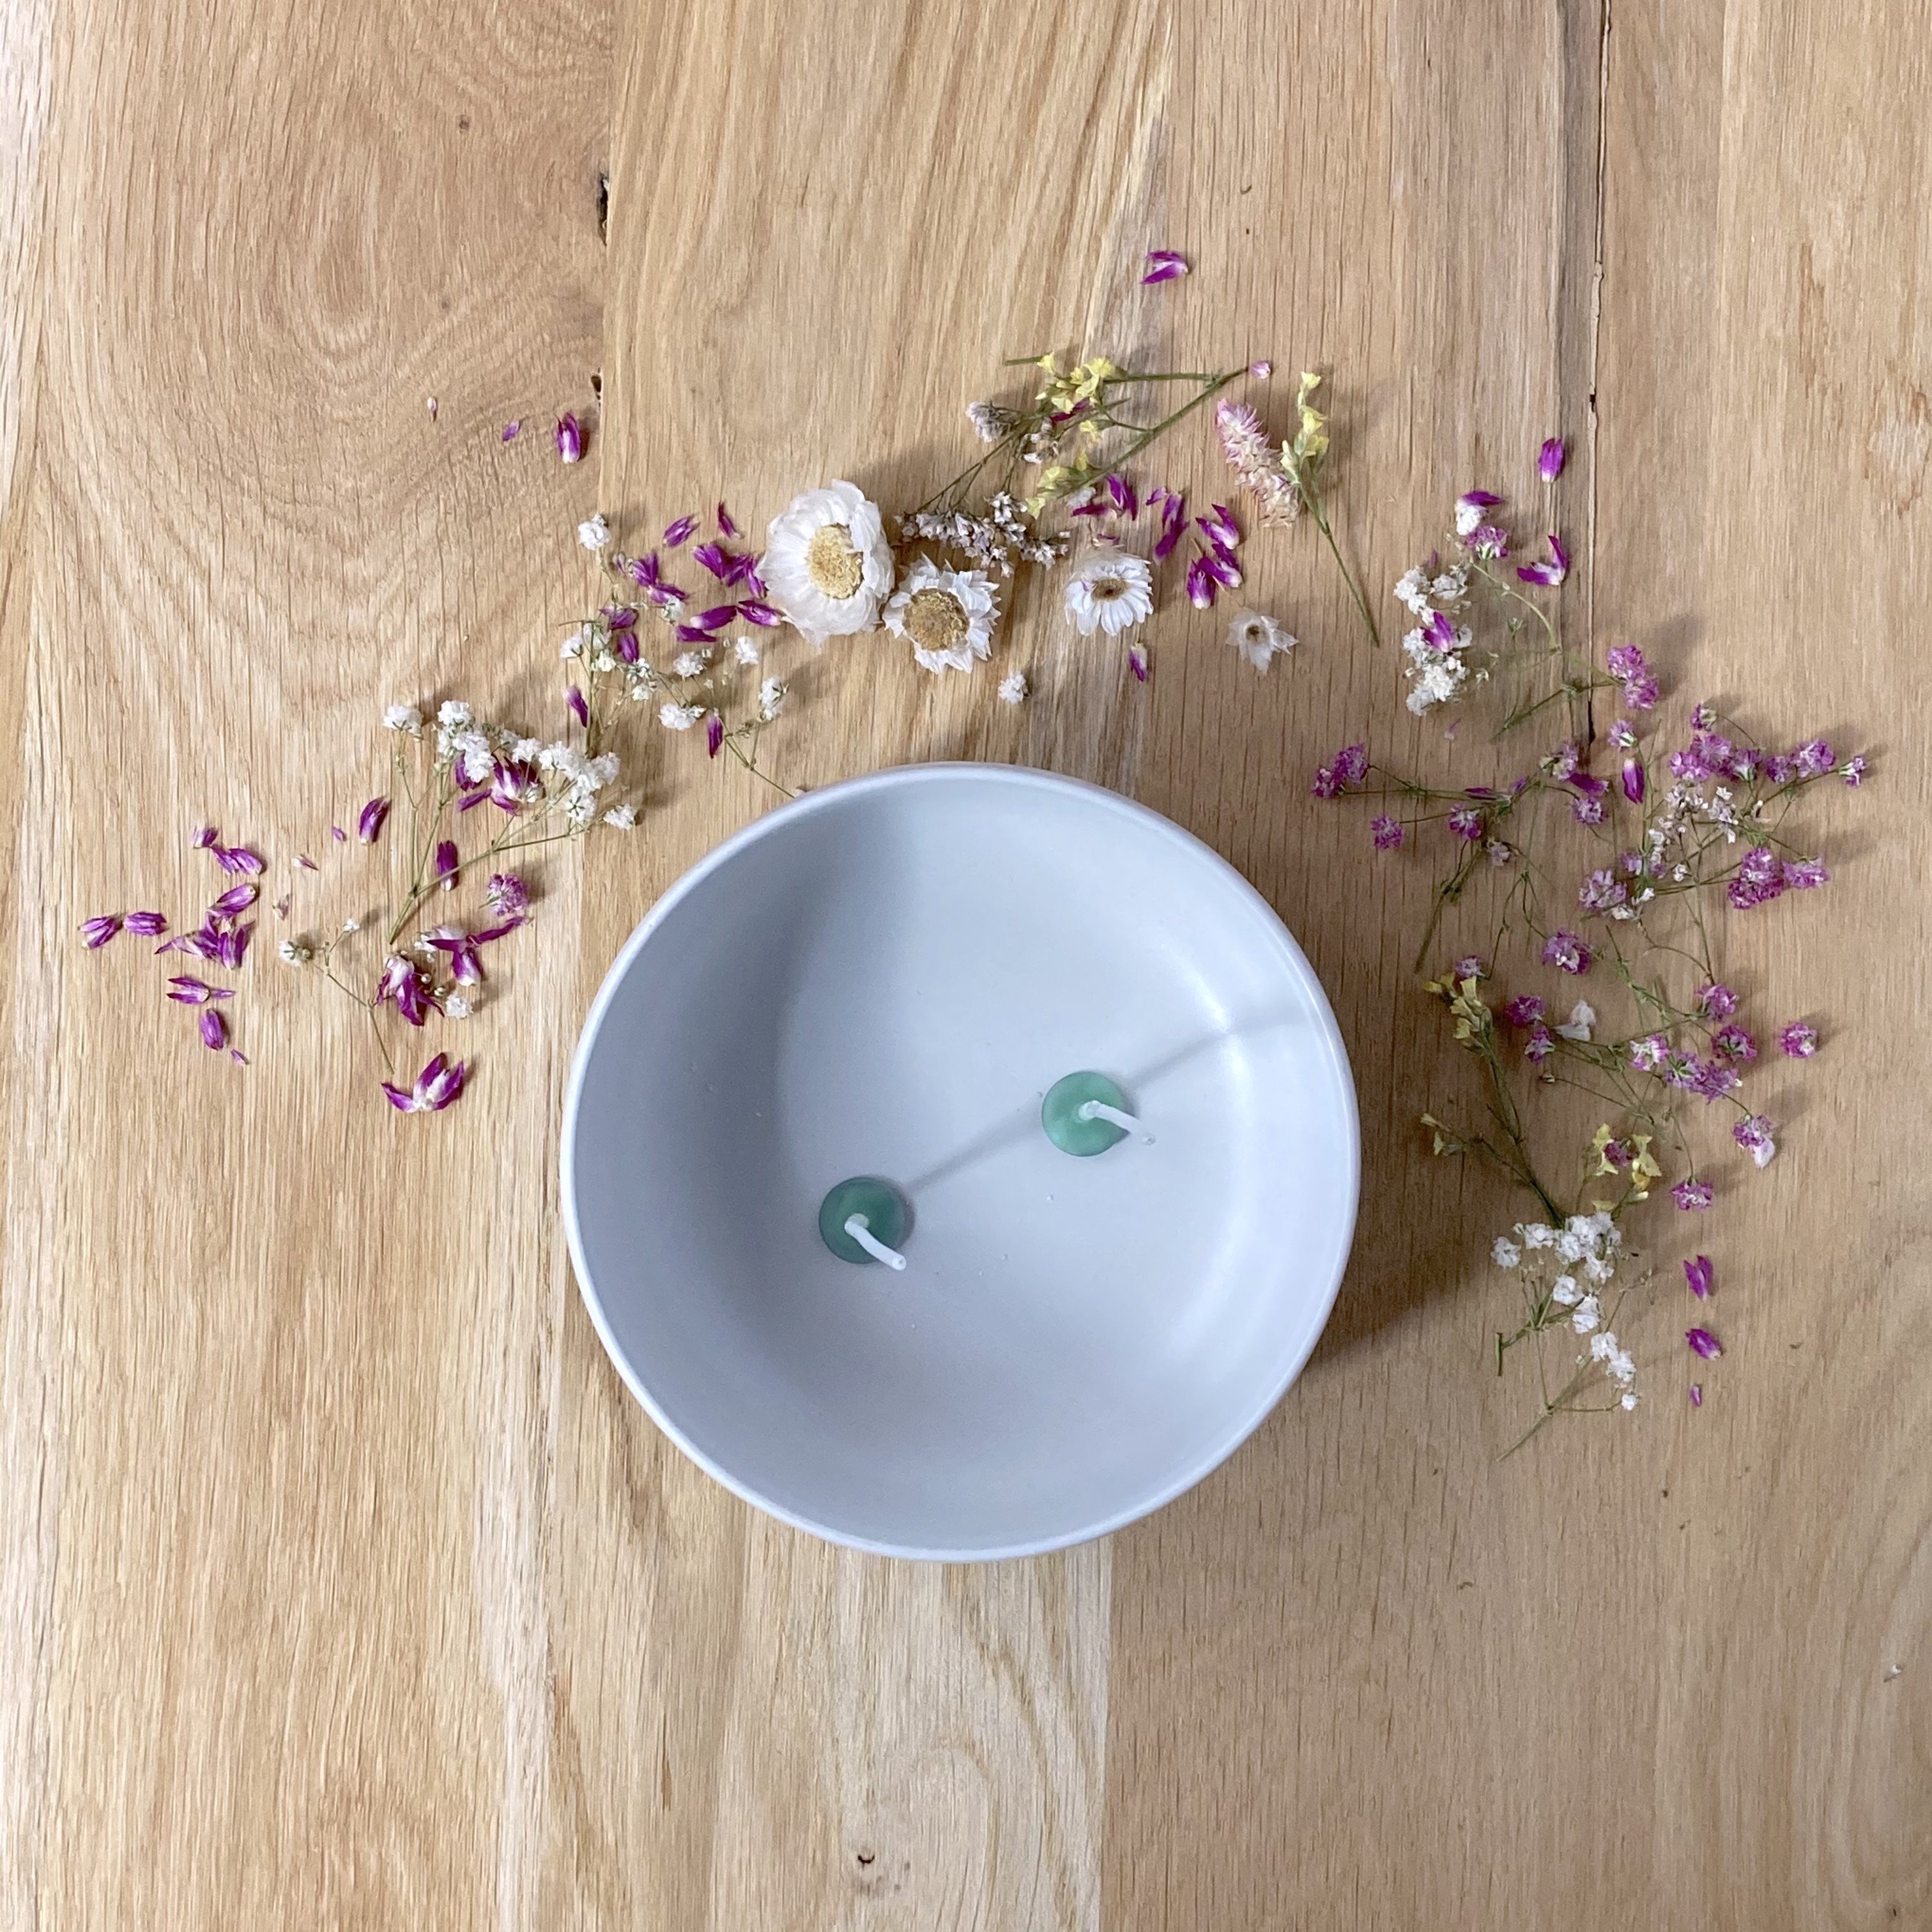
1013, 687
1109, 590
594, 534
404, 718
680, 717
1258, 638
771, 696
623, 817
745, 650
827, 564
948, 615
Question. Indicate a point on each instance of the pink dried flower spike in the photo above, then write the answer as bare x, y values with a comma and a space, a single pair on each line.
569, 438
1164, 265
369, 820
96, 932
1549, 459
435, 1087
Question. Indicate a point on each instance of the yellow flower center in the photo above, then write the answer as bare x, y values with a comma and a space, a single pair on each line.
832, 563
934, 621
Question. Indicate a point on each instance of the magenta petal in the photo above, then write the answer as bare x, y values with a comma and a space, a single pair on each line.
1549, 459
569, 438
214, 1030
236, 899
446, 864
1201, 589
714, 734
369, 821
98, 932
712, 556
754, 611
405, 1103
1137, 663
1633, 780
1164, 265
307, 864
189, 991
204, 836
1696, 1395
240, 1058
725, 526
678, 534
1697, 1276
574, 702
1704, 1343
1221, 527
716, 618
511, 430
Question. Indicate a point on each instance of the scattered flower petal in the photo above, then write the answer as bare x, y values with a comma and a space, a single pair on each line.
569, 438
214, 1029
1704, 1343
1697, 1275
1163, 264
96, 932
369, 820
1549, 459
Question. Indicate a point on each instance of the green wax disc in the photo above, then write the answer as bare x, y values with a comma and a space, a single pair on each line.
1060, 1113
888, 1219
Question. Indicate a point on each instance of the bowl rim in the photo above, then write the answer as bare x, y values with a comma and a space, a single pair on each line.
831, 796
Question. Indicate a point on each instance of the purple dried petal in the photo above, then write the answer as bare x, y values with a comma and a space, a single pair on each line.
203, 837
510, 431
573, 701
307, 864
187, 991
446, 865
1164, 265
404, 1103
1696, 1395
714, 735
98, 932
1704, 1343
725, 526
1221, 527
1221, 566
569, 438
1173, 522
146, 924
754, 611
240, 1058
1549, 459
1137, 662
678, 534
236, 899
369, 821
237, 859
437, 1085
1477, 499
214, 1029
1634, 780
716, 618
1201, 584
1697, 1276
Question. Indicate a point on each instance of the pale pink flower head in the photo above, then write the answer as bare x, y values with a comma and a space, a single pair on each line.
1387, 832
1798, 1041
1566, 953
1716, 1000
1755, 1133
1524, 1010
1693, 1196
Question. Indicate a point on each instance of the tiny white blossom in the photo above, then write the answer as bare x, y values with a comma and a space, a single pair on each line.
1627, 1399
457, 1006
1467, 517
594, 533
404, 718
1587, 1314
689, 663
1564, 1292
295, 952
573, 645
1412, 589
745, 650
623, 817
1537, 1234
1505, 1254
352, 925
772, 695
600, 660
454, 715
1013, 687
1598, 1270
1582, 1018
680, 717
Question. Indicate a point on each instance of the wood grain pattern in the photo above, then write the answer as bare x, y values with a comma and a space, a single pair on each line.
341, 1584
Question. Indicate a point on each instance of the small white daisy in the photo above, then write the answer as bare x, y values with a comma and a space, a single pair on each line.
1013, 687
1109, 590
1258, 638
827, 564
948, 615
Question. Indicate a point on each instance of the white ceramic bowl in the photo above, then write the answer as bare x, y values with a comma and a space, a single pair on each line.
884, 978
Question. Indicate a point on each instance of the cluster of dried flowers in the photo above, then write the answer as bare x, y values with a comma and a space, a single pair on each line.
1669, 834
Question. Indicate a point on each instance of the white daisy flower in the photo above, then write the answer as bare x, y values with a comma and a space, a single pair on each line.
594, 534
1259, 638
680, 717
404, 718
949, 615
1013, 687
827, 564
1109, 590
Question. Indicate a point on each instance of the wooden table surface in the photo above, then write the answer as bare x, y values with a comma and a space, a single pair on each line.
341, 1583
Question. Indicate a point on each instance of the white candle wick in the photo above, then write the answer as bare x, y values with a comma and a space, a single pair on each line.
857, 1226
1099, 1110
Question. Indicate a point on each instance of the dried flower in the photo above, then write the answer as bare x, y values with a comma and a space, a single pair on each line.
1255, 462
1470, 507
624, 817
1693, 1196
507, 896
1566, 952
1799, 1041
1387, 832
295, 952
405, 718
1549, 571
1110, 590
1754, 1133
947, 615
1163, 264
1582, 1018
1013, 689
437, 1085
827, 563
1697, 1276
675, 717
772, 695
991, 422
594, 533
1259, 638
1348, 767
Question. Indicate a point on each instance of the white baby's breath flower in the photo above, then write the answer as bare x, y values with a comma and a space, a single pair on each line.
1564, 1292
295, 952
594, 533
772, 695
623, 817
745, 650
454, 715
456, 1006
680, 717
827, 564
1582, 1018
578, 642
352, 925
1537, 1234
1505, 1254
1411, 588
404, 718
1468, 516
1109, 590
948, 615
1628, 1400
691, 664
1013, 687
1258, 638
1587, 1314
